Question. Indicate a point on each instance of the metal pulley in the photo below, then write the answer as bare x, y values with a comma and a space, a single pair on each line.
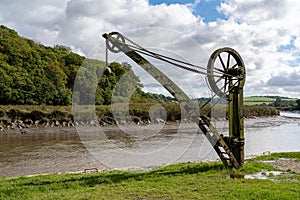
115, 48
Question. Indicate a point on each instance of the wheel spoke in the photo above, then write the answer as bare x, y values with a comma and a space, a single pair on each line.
228, 60
222, 62
234, 65
220, 70
236, 82
219, 79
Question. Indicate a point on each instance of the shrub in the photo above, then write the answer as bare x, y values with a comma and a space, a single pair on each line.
37, 115
15, 113
2, 112
59, 115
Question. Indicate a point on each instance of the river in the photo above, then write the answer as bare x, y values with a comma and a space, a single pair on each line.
62, 150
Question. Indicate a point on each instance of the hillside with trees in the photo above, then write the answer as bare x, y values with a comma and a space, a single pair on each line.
34, 74
39, 84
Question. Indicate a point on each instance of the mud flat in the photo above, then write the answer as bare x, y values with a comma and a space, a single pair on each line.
62, 150
285, 164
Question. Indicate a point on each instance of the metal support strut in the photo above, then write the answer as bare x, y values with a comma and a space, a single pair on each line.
231, 77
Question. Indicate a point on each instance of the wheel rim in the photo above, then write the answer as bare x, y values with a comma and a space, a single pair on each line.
225, 65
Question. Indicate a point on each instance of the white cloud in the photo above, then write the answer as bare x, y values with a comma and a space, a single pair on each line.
39, 20
267, 25
254, 28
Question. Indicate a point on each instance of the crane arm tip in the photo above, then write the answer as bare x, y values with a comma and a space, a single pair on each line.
105, 35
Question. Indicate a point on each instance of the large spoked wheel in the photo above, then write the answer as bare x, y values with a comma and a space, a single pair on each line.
115, 36
225, 69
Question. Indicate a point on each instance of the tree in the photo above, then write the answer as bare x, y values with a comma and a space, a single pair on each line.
34, 74
298, 104
277, 102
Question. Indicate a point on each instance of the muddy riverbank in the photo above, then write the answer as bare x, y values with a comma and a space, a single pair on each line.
16, 117
77, 149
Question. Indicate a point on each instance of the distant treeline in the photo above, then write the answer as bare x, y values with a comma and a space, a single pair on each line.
273, 101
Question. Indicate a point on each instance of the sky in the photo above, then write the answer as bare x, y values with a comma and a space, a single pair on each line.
265, 33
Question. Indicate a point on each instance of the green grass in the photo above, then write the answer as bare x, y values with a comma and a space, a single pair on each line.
276, 156
177, 181
259, 100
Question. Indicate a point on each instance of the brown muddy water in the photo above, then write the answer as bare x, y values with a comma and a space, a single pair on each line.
63, 150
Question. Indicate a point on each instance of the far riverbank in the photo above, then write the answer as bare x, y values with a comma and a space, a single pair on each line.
18, 117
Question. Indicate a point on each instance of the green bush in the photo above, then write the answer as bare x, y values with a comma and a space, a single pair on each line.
259, 111
2, 112
36, 115
15, 113
58, 115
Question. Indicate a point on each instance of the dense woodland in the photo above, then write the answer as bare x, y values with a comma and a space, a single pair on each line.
34, 74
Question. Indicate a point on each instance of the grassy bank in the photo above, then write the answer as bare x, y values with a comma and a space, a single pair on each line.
26, 116
269, 100
177, 181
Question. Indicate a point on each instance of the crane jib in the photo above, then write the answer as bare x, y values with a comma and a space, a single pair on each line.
230, 148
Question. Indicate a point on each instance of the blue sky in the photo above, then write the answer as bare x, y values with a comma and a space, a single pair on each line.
207, 9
